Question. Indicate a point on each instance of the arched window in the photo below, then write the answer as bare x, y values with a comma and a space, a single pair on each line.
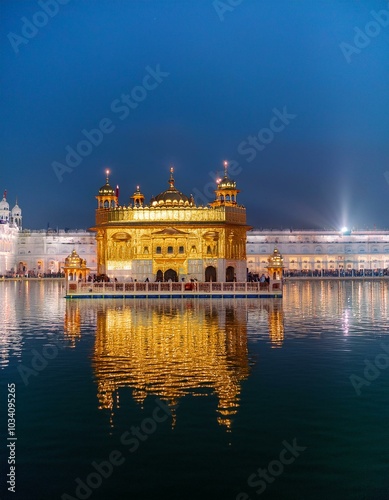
158, 250
233, 197
181, 249
227, 197
209, 251
169, 249
106, 204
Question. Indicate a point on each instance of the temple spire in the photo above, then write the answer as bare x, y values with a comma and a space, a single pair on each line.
171, 178
225, 168
107, 172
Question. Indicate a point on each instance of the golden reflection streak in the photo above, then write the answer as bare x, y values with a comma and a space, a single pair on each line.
275, 314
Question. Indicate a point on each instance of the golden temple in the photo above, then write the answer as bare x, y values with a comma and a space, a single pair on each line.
171, 238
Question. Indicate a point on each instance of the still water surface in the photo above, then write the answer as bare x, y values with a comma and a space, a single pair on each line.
189, 398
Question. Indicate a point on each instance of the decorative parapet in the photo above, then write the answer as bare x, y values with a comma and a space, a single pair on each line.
236, 215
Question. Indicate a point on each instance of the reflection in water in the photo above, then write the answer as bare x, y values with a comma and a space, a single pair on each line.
275, 314
72, 323
29, 310
170, 347
338, 304
204, 348
10, 337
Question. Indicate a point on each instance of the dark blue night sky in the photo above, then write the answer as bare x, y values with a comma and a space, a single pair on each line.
294, 94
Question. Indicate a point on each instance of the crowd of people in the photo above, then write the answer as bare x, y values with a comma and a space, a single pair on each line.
335, 273
264, 279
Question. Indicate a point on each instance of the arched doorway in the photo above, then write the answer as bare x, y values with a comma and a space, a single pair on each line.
210, 274
22, 267
230, 273
159, 275
170, 274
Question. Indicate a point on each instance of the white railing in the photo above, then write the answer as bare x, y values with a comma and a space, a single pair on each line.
172, 288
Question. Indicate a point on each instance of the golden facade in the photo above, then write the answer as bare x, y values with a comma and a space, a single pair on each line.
172, 238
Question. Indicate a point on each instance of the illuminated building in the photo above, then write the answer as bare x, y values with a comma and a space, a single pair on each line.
44, 251
172, 238
26, 252
316, 250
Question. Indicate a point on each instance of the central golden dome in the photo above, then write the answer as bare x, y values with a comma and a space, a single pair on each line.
172, 197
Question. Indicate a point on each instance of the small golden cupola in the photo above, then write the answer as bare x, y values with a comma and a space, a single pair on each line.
226, 192
107, 197
138, 198
75, 267
275, 265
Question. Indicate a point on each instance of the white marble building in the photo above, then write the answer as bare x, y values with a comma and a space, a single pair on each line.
39, 252
44, 251
319, 250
